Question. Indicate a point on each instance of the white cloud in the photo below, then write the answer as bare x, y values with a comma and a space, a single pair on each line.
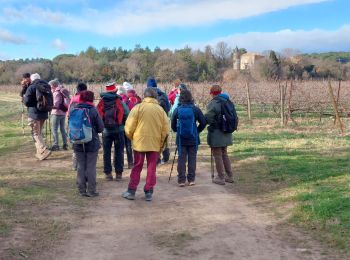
8, 37
316, 40
4, 56
59, 44
130, 17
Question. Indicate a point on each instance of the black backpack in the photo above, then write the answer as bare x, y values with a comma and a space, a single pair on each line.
228, 121
110, 114
44, 97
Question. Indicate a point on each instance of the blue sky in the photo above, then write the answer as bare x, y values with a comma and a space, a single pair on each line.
30, 29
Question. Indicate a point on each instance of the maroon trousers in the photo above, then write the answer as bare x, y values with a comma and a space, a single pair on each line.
139, 158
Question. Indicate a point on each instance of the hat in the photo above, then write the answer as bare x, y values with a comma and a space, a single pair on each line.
121, 90
34, 76
151, 83
215, 90
127, 85
110, 87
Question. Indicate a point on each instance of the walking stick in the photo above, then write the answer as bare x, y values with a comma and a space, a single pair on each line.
50, 129
172, 166
22, 119
212, 163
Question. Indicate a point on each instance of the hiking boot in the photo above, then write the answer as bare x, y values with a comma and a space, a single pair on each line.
130, 165
219, 181
229, 179
92, 194
109, 177
54, 148
148, 196
182, 184
65, 147
129, 194
46, 153
191, 183
118, 177
83, 194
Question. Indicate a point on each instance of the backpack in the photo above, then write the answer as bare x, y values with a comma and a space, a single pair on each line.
228, 121
63, 106
44, 97
79, 126
112, 112
163, 101
186, 125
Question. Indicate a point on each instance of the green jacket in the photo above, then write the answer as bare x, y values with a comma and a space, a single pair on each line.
216, 138
112, 95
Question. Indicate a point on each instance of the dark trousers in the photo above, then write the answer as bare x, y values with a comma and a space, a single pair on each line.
187, 153
222, 162
128, 149
86, 171
151, 170
118, 140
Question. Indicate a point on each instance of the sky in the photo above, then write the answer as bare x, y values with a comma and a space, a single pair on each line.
45, 29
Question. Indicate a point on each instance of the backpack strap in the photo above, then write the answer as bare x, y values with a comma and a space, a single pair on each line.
120, 109
100, 108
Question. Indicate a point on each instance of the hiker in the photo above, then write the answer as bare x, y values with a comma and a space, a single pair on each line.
147, 128
81, 86
174, 91
38, 98
122, 93
61, 101
113, 112
86, 153
184, 123
25, 82
176, 102
164, 103
217, 139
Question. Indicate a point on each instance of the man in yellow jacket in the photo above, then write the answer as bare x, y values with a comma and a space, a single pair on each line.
147, 127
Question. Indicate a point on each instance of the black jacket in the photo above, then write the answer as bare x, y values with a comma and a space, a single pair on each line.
30, 101
97, 127
199, 117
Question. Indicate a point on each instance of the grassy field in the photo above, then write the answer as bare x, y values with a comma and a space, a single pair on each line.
301, 172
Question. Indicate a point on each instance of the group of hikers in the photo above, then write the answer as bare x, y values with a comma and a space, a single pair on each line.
126, 120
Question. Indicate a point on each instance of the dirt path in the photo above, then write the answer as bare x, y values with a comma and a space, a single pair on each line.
205, 221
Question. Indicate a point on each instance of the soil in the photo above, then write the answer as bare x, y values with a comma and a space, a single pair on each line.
205, 221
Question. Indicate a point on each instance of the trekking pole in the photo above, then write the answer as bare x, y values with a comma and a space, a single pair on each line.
211, 163
23, 119
172, 166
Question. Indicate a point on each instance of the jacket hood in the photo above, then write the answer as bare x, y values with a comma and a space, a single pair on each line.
224, 95
109, 95
150, 100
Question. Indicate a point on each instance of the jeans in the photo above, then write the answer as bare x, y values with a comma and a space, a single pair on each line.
118, 140
128, 150
187, 153
58, 122
222, 162
86, 172
139, 157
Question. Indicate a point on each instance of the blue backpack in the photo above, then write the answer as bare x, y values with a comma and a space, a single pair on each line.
186, 124
79, 126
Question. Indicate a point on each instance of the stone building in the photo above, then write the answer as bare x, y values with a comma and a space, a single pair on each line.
248, 60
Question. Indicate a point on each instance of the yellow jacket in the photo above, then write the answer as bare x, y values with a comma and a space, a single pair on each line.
147, 126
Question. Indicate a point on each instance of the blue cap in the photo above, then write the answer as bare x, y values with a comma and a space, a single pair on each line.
151, 83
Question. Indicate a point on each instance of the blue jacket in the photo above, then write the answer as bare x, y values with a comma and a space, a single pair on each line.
97, 127
30, 101
199, 118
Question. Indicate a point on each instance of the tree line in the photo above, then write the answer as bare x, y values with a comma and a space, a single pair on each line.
213, 63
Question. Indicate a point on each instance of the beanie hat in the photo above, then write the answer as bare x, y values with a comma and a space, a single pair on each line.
110, 87
127, 85
34, 76
151, 83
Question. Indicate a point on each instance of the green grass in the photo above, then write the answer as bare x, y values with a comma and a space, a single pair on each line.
305, 168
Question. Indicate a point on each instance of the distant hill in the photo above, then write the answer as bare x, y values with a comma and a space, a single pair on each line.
342, 57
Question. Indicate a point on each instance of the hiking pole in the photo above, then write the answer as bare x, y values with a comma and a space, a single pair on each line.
50, 129
172, 166
23, 119
211, 163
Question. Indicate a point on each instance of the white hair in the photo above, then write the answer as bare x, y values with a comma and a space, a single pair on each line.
34, 76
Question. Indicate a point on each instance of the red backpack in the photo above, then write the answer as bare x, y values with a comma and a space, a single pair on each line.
112, 112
